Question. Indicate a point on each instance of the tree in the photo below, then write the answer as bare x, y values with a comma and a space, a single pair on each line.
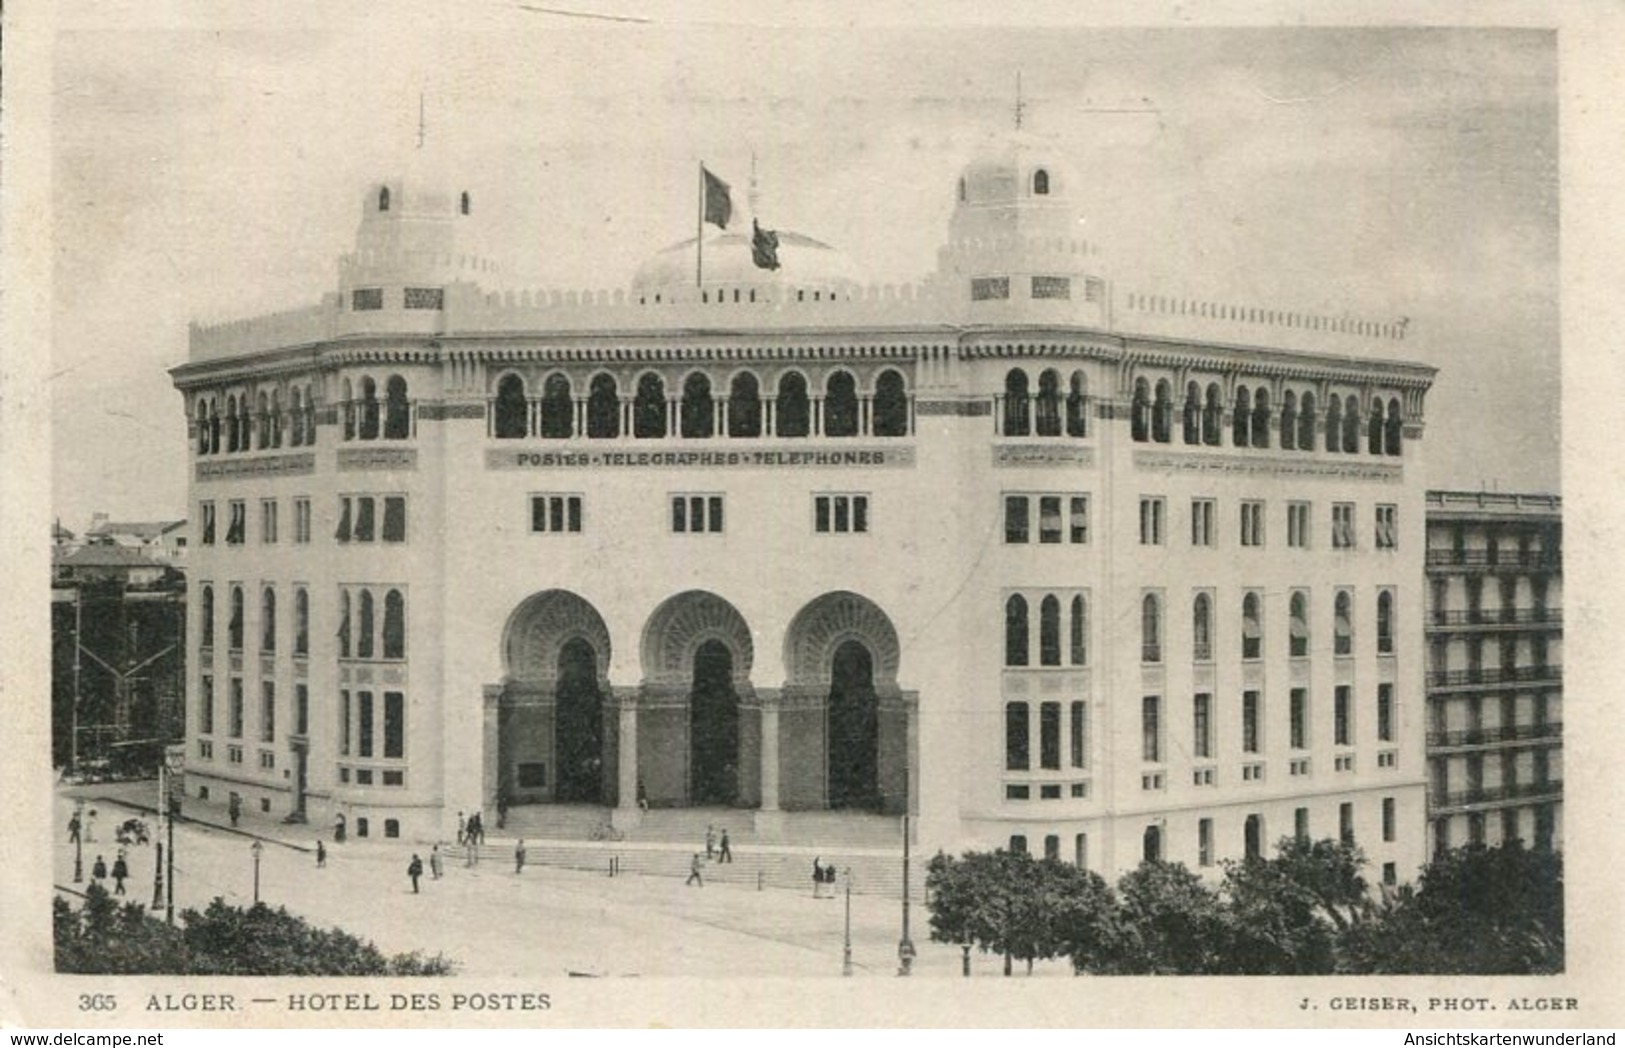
1012, 904
1171, 923
1285, 915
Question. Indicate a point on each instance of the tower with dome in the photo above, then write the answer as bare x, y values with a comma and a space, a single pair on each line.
1041, 559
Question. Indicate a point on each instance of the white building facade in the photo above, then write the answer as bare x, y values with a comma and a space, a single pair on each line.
1042, 560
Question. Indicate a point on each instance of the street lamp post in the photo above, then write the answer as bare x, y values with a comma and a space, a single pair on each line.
846, 953
79, 841
163, 813
173, 760
256, 848
905, 948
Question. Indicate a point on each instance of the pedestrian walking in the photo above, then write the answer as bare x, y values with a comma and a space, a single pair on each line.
476, 830
321, 854
724, 853
414, 870
519, 856
121, 870
710, 842
98, 871
73, 828
435, 868
818, 878
462, 830
695, 876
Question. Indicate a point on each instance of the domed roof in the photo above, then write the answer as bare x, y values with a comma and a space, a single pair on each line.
1017, 166
730, 261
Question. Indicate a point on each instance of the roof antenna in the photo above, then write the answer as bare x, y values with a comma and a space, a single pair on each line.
1021, 106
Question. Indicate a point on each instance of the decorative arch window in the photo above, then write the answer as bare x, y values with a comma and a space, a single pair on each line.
512, 421
245, 424
234, 627
1140, 412
1151, 843
1150, 628
792, 415
1261, 418
649, 408
1202, 628
296, 416
1017, 411
841, 405
202, 418
1374, 429
1049, 631
1213, 416
394, 625
1289, 420
1334, 423
744, 406
1385, 622
890, 405
1299, 626
1040, 182
603, 408
1252, 627
364, 625
368, 428
1394, 438
214, 426
383, 199
344, 624
1351, 424
1048, 407
310, 418
231, 422
1015, 631
1343, 624
397, 409
558, 408
1192, 415
206, 614
1306, 423
1162, 414
1077, 401
1241, 419
698, 416
301, 622
268, 620
1080, 631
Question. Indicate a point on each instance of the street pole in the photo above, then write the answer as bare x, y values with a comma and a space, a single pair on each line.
79, 842
846, 954
905, 948
257, 848
158, 870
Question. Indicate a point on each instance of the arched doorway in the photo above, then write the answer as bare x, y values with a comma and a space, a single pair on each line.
713, 732
854, 730
578, 726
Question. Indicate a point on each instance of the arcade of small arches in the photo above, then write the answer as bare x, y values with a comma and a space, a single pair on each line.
698, 405
1297, 424
839, 733
242, 421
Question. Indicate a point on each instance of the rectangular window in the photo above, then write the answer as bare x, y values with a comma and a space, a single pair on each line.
301, 521
364, 723
206, 514
342, 532
1342, 525
301, 709
1342, 717
1049, 519
1385, 713
1249, 721
1202, 726
1345, 822
1297, 525
1052, 287
555, 514
1387, 527
394, 724
237, 531
696, 514
1202, 522
365, 519
1078, 525
984, 288
234, 709
1300, 825
1080, 736
1151, 728
344, 724
1300, 718
1015, 736
394, 518
268, 520
841, 514
1204, 842
205, 705
425, 298
1252, 523
1153, 509
367, 298
1388, 819
1016, 524
1049, 736
267, 711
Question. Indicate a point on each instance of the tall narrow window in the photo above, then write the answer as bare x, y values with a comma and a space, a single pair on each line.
1049, 519
1152, 511
1252, 630
511, 409
1015, 631
1202, 726
557, 408
1140, 412
1261, 418
1351, 424
1204, 842
1015, 736
1040, 182
1080, 736
1389, 820
1342, 716
1334, 424
890, 405
1017, 410
1162, 414
1192, 415
1345, 822
365, 519
649, 408
1049, 631
1202, 628
698, 415
1077, 399
368, 427
1289, 421
1250, 716
267, 711
1253, 837
1151, 728
1385, 713
394, 625
603, 408
397, 409
1385, 622
792, 415
205, 708
1394, 437
1212, 416
1049, 736
301, 622
1242, 418
1017, 518
1300, 825
394, 724
1080, 631
268, 620
1048, 404
1306, 422
1299, 640
1078, 520
1343, 624
234, 628
365, 724
1374, 429
1299, 717
344, 624
1150, 629
206, 615
394, 518
364, 626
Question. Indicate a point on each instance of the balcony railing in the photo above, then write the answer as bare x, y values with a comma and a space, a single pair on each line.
1490, 736
1496, 617
1504, 560
1514, 675
1493, 794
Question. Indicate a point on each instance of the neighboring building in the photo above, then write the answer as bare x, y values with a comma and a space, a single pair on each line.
1048, 562
163, 540
1495, 668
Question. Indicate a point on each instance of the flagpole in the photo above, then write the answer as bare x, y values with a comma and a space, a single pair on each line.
699, 234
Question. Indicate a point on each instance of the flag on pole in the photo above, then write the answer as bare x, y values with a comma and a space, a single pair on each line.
718, 204
764, 246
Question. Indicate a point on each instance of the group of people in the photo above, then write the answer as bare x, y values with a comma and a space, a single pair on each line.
120, 871
414, 869
719, 851
470, 830
823, 875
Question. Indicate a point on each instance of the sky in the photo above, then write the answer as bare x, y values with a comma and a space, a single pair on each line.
215, 172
